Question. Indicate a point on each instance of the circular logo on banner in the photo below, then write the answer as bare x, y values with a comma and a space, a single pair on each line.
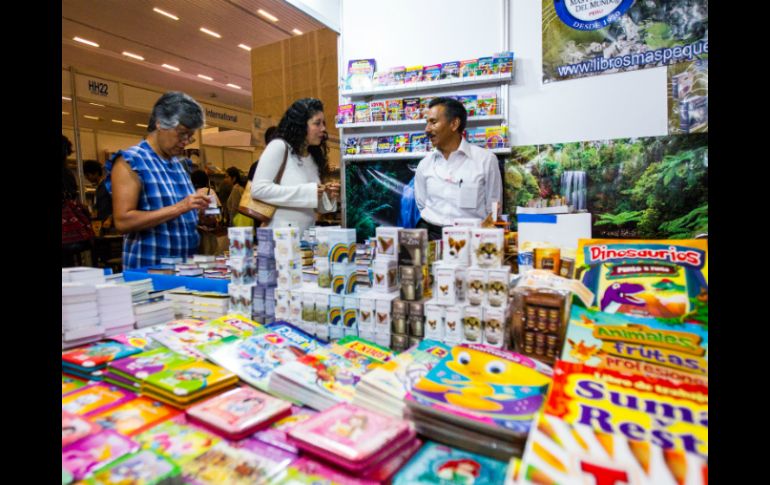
590, 14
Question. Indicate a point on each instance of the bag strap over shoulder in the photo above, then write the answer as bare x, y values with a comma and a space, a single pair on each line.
279, 175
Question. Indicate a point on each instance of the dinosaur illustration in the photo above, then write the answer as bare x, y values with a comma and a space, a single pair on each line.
621, 294
667, 285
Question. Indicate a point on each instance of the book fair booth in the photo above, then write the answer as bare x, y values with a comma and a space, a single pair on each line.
563, 339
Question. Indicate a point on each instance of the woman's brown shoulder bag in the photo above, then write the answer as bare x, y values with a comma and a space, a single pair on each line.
256, 209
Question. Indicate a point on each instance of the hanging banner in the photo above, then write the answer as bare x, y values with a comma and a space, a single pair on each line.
591, 37
634, 188
688, 97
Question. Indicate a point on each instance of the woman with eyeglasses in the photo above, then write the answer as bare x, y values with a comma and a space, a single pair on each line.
154, 202
301, 140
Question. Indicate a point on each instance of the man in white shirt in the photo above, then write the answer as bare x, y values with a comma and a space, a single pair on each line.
457, 180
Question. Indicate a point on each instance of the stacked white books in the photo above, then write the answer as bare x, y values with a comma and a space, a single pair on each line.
140, 290
188, 270
153, 312
116, 311
209, 305
181, 299
82, 274
80, 321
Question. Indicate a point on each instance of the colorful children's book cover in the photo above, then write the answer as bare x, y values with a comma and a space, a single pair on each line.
94, 451
400, 374
368, 145
69, 384
74, 427
395, 109
255, 357
94, 398
176, 440
664, 279
368, 353
141, 468
450, 70
486, 105
575, 454
503, 62
401, 143
385, 144
239, 323
234, 466
377, 110
97, 355
469, 67
424, 106
418, 142
443, 465
138, 367
647, 346
266, 451
496, 137
362, 113
411, 108
349, 432
191, 378
345, 114
469, 101
432, 72
486, 66
674, 417
352, 145
413, 74
277, 434
134, 416
239, 410
360, 73
397, 74
184, 338
139, 338
66, 477
494, 387
306, 471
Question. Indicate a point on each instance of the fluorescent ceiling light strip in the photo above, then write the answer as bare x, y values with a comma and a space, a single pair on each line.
66, 98
134, 56
141, 125
205, 77
297, 31
97, 104
171, 16
244, 47
234, 86
118, 121
85, 41
267, 15
91, 117
173, 68
65, 112
210, 32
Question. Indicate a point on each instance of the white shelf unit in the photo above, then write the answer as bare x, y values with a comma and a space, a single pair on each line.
407, 155
428, 86
472, 120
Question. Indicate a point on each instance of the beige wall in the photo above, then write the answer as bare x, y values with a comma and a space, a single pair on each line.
88, 144
230, 157
95, 144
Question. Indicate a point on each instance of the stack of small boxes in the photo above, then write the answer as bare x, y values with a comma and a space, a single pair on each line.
470, 302
243, 270
343, 305
263, 305
408, 315
288, 263
375, 306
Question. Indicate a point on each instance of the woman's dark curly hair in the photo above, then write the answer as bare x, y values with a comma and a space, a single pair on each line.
293, 129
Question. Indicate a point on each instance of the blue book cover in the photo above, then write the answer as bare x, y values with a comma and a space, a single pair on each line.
444, 465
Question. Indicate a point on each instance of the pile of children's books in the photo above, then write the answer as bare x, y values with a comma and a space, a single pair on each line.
186, 336
115, 310
80, 321
88, 362
481, 399
131, 371
187, 384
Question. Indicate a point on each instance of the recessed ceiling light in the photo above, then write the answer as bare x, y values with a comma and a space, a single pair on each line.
65, 112
234, 86
205, 77
97, 104
297, 31
141, 125
134, 56
118, 121
171, 16
210, 32
66, 98
244, 47
84, 41
267, 15
91, 117
173, 68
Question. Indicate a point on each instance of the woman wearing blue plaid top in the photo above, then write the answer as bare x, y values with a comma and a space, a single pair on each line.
154, 203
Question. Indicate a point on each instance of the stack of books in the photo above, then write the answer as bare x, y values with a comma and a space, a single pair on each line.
188, 269
83, 457
437, 463
88, 362
116, 312
328, 375
140, 289
134, 416
80, 323
481, 399
383, 389
153, 312
360, 442
130, 372
94, 398
224, 463
185, 336
187, 384
144, 466
209, 305
277, 434
82, 274
182, 300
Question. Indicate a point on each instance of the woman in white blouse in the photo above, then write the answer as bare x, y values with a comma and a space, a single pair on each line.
299, 192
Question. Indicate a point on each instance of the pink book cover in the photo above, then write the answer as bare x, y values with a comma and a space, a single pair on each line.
241, 410
94, 398
312, 467
349, 435
73, 427
92, 452
277, 434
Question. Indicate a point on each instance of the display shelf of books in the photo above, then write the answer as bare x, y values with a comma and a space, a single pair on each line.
428, 86
419, 123
408, 155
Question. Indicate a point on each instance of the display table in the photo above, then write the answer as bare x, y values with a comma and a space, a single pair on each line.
167, 281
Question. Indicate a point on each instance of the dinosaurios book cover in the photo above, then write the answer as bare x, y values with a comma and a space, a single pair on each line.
645, 346
664, 279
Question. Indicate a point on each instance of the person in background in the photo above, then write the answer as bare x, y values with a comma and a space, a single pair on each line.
207, 225
71, 249
301, 135
154, 202
92, 170
457, 180
223, 193
239, 183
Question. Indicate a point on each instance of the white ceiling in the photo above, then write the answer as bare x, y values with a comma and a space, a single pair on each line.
133, 26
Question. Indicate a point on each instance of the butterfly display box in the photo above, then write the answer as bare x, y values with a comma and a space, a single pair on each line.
539, 322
